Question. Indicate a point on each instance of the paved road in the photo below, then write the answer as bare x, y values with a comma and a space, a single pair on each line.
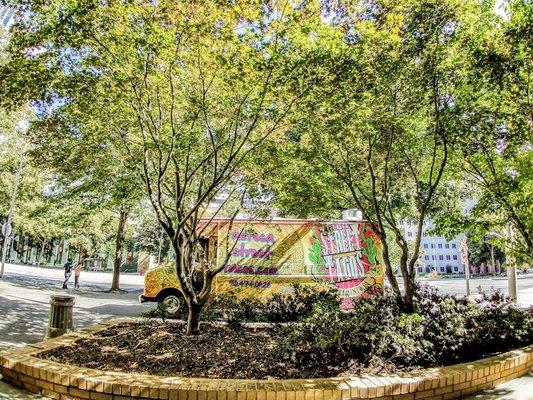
457, 286
88, 279
24, 303
25, 292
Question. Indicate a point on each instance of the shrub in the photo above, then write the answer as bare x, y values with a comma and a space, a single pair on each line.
447, 321
292, 305
160, 312
298, 303
376, 333
499, 326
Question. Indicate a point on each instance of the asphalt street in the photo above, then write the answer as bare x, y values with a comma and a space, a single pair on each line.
25, 294
24, 306
457, 286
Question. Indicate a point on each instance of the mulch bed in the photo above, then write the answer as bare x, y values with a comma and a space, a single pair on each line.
217, 352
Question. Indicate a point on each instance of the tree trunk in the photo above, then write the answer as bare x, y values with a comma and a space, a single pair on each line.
388, 267
193, 320
41, 253
409, 292
119, 241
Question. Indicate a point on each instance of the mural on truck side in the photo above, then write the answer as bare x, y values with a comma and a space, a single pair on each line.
345, 255
272, 256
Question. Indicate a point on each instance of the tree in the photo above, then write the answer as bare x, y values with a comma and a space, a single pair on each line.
496, 154
149, 236
187, 90
379, 128
13, 145
88, 172
69, 141
483, 251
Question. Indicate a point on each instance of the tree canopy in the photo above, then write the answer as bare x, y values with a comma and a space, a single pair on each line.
387, 106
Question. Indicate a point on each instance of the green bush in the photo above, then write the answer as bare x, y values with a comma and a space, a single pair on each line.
377, 334
292, 305
298, 303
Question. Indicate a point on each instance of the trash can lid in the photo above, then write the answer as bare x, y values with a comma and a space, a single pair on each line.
62, 298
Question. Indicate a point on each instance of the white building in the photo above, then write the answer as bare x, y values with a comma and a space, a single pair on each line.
6, 15
436, 253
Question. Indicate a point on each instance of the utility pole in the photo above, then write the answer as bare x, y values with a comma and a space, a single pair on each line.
510, 261
8, 229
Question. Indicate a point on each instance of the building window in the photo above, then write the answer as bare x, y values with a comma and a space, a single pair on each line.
447, 245
441, 269
420, 270
410, 234
425, 234
441, 257
432, 246
455, 269
426, 257
455, 256
447, 257
425, 246
454, 246
440, 245
433, 257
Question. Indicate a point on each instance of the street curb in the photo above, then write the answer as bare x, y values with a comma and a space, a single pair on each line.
21, 368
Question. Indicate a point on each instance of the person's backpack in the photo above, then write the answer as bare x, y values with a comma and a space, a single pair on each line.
68, 267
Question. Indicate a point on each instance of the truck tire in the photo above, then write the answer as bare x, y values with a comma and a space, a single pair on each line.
172, 304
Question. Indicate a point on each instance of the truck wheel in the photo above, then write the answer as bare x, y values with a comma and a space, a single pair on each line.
172, 304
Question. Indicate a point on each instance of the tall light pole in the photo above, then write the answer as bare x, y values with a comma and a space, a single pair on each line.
511, 267
492, 259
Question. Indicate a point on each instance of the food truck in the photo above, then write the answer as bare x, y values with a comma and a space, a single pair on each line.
261, 257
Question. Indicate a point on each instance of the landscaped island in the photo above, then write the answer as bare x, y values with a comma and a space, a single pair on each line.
310, 338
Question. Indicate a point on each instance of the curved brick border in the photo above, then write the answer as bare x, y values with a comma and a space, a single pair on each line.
21, 368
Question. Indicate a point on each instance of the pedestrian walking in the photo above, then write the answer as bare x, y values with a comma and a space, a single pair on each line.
68, 272
77, 272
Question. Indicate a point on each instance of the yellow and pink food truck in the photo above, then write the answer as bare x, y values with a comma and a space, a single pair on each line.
267, 256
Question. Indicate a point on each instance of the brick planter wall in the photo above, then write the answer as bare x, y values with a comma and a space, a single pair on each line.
21, 368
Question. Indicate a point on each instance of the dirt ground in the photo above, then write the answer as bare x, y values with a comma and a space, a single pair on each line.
217, 352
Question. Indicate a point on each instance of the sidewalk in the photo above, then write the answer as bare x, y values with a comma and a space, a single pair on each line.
518, 389
525, 298
8, 392
524, 302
